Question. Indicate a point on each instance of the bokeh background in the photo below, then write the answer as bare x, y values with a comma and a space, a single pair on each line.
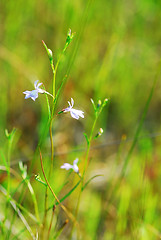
115, 54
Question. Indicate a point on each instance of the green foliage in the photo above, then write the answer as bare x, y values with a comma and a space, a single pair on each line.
114, 52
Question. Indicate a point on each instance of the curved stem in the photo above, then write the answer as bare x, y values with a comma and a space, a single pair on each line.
69, 214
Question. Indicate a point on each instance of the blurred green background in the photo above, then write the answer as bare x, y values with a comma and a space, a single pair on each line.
115, 54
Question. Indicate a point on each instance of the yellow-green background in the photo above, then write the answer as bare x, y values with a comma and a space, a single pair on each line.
115, 54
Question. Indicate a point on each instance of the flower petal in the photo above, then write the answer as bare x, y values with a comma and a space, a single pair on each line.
80, 113
75, 168
66, 166
35, 83
69, 105
75, 161
74, 114
77, 113
67, 109
38, 85
72, 102
31, 94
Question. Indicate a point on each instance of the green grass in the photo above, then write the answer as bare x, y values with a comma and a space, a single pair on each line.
115, 54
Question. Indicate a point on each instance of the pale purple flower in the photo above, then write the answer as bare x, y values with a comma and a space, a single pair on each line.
74, 113
68, 166
34, 93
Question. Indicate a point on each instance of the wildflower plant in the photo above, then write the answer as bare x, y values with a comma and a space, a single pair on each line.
44, 227
76, 114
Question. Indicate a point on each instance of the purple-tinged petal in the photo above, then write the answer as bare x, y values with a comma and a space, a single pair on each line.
72, 102
69, 105
75, 168
66, 166
75, 161
38, 85
73, 114
35, 83
80, 113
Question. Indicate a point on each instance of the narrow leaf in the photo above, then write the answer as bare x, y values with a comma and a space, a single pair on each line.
62, 199
38, 178
86, 138
85, 185
69, 193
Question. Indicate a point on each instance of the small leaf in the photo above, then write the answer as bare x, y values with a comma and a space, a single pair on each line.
85, 185
4, 160
62, 199
86, 138
38, 178
23, 169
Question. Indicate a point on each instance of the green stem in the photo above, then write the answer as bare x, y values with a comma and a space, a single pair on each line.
89, 145
51, 142
9, 181
69, 214
34, 200
85, 167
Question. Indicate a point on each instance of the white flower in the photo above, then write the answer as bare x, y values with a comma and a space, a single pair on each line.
74, 113
68, 166
34, 93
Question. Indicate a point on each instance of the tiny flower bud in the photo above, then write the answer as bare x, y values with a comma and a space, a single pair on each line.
69, 32
99, 103
50, 54
99, 133
69, 38
106, 100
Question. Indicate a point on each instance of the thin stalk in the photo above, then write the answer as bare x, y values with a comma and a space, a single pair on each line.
50, 170
51, 221
89, 146
51, 142
34, 200
61, 229
69, 214
19, 206
84, 170
9, 180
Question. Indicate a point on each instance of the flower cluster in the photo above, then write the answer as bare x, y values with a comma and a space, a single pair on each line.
73, 112
34, 94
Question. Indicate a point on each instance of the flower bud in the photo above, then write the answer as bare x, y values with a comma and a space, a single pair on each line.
99, 103
99, 133
50, 54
